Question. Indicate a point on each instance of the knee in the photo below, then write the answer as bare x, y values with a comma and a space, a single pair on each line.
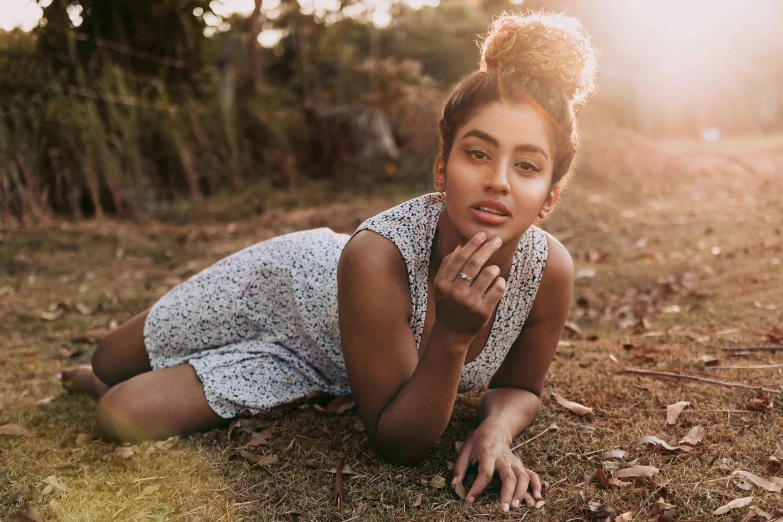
118, 416
101, 361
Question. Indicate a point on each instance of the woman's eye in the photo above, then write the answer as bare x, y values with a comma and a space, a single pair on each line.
477, 154
528, 166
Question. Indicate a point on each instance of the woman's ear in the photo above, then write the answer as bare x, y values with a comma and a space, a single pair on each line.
440, 175
549, 203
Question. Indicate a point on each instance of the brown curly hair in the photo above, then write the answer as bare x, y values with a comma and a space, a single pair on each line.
540, 58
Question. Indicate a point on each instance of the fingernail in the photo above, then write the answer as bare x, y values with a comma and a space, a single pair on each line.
516, 502
496, 242
505, 506
454, 481
471, 499
482, 236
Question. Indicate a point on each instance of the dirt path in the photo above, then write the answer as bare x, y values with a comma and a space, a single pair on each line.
679, 252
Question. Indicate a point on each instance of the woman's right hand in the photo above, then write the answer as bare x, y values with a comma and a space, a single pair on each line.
463, 307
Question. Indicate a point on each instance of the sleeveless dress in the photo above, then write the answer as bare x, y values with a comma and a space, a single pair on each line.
260, 327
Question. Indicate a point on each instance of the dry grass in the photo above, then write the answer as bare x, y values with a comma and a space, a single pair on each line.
644, 218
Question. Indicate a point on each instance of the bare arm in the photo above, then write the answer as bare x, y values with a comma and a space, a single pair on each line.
405, 402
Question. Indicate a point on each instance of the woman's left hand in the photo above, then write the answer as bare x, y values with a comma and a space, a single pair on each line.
488, 446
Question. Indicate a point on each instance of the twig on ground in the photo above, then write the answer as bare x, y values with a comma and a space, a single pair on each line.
769, 348
552, 427
702, 411
695, 376
751, 367
338, 488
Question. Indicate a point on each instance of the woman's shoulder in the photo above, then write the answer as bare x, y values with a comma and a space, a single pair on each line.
410, 212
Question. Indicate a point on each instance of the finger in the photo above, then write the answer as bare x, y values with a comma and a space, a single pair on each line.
509, 482
453, 263
529, 499
485, 278
461, 465
474, 263
535, 484
521, 488
485, 471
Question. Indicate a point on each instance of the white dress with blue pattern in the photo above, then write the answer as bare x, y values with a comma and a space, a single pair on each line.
260, 327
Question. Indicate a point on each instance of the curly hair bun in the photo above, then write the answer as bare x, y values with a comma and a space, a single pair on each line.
550, 47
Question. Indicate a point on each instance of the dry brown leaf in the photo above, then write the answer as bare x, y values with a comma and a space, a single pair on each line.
636, 472
734, 504
760, 482
438, 482
625, 517
29, 514
53, 316
83, 439
358, 426
661, 446
761, 403
612, 454
84, 309
261, 437
270, 460
673, 411
775, 461
53, 481
149, 490
417, 502
460, 490
660, 506
619, 483
574, 407
694, 436
708, 360
33, 495
600, 476
14, 430
123, 452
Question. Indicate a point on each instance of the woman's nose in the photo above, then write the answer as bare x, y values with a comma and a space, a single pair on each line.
497, 177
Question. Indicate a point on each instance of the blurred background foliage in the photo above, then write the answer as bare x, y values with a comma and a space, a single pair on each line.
133, 109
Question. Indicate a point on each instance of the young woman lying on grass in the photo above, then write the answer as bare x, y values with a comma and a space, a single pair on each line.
436, 296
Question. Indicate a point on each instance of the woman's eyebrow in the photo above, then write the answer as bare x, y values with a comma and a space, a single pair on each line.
525, 147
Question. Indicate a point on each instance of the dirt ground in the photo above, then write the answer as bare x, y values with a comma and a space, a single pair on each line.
679, 251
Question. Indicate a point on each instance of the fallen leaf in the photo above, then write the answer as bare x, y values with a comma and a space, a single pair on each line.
149, 490
83, 439
417, 502
760, 482
358, 426
55, 483
673, 411
123, 452
762, 403
625, 517
612, 454
53, 316
574, 407
636, 472
261, 437
661, 446
29, 514
736, 503
708, 360
775, 461
460, 490
347, 470
33, 495
694, 436
84, 309
742, 483
438, 482
14, 430
619, 483
660, 506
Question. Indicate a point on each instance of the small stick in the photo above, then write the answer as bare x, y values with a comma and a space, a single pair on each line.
751, 367
771, 348
338, 488
534, 438
704, 411
677, 375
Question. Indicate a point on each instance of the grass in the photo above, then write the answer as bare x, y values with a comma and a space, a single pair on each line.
647, 232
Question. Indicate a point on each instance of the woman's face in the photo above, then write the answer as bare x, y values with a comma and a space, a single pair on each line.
501, 159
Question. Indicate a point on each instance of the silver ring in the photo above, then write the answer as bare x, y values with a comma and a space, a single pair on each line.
466, 277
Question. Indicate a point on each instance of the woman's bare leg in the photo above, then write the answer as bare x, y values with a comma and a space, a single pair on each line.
156, 405
120, 356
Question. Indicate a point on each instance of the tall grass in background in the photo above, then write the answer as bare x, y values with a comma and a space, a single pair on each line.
127, 145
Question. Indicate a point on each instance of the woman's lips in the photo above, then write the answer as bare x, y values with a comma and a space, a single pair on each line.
488, 218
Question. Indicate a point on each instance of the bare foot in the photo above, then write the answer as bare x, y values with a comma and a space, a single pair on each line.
81, 379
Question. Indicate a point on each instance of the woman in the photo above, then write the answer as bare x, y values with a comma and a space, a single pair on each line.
438, 295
